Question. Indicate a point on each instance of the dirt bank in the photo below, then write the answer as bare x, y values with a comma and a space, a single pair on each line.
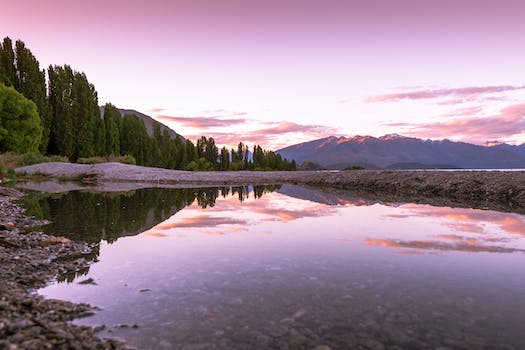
29, 260
500, 190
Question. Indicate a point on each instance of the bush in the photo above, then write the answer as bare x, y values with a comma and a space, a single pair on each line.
127, 159
11, 160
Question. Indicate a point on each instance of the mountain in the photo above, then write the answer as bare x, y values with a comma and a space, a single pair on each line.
396, 151
149, 122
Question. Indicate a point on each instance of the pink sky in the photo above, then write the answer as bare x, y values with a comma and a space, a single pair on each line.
279, 72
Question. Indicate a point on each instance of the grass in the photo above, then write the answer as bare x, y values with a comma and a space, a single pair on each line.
10, 161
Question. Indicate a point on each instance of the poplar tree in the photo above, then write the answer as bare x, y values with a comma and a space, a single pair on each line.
31, 82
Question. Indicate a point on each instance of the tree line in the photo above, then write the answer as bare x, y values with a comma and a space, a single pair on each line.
58, 114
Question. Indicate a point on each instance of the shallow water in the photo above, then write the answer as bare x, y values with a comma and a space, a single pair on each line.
293, 268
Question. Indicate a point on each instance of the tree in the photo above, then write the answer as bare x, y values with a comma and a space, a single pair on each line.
224, 159
74, 105
112, 121
31, 82
7, 63
20, 129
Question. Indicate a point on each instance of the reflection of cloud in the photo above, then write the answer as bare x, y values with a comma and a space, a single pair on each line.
287, 215
510, 121
202, 122
200, 221
467, 220
437, 93
461, 245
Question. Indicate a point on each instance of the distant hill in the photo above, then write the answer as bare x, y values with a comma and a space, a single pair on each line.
400, 152
149, 122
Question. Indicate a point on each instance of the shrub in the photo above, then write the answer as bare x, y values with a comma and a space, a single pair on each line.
127, 159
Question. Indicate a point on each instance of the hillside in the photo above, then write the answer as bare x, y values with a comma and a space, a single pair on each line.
148, 121
395, 151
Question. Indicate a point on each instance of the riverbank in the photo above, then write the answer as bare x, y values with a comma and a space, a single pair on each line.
28, 261
498, 190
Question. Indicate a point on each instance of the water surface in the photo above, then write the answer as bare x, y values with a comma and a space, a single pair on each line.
287, 267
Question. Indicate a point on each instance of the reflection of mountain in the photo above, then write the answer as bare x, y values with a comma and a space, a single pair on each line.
92, 217
323, 197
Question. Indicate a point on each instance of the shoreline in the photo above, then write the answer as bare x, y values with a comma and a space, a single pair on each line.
498, 190
29, 260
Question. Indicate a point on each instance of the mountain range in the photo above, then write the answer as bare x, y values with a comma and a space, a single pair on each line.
394, 151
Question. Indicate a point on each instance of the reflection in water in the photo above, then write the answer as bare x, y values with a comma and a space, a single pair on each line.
92, 217
280, 271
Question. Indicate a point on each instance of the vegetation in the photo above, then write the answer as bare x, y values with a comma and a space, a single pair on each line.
10, 161
64, 119
20, 129
127, 159
355, 167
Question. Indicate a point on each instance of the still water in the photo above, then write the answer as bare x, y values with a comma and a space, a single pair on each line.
287, 267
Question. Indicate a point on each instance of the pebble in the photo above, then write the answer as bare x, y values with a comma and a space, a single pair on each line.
29, 260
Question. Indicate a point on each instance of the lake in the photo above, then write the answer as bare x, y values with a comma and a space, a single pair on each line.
287, 267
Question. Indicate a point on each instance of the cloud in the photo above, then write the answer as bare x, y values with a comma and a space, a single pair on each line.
202, 122
222, 111
464, 92
461, 112
155, 110
275, 134
290, 127
510, 121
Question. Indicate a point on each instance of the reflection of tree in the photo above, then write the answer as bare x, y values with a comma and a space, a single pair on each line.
92, 217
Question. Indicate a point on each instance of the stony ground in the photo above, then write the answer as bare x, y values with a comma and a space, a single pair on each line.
498, 190
29, 260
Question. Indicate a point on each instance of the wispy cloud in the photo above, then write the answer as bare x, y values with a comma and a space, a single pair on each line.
466, 111
202, 122
458, 93
155, 110
276, 134
508, 122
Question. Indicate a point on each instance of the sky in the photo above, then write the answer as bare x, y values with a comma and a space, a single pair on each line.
280, 72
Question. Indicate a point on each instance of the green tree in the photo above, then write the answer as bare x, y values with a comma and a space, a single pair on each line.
224, 159
7, 63
112, 121
20, 129
31, 82
74, 105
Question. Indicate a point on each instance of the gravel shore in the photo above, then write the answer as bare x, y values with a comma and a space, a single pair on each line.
498, 190
29, 260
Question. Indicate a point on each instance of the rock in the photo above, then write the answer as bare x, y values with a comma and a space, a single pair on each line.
88, 281
53, 240
370, 344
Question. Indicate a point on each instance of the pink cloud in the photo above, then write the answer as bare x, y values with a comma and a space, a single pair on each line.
467, 111
201, 122
510, 121
272, 135
155, 110
467, 92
